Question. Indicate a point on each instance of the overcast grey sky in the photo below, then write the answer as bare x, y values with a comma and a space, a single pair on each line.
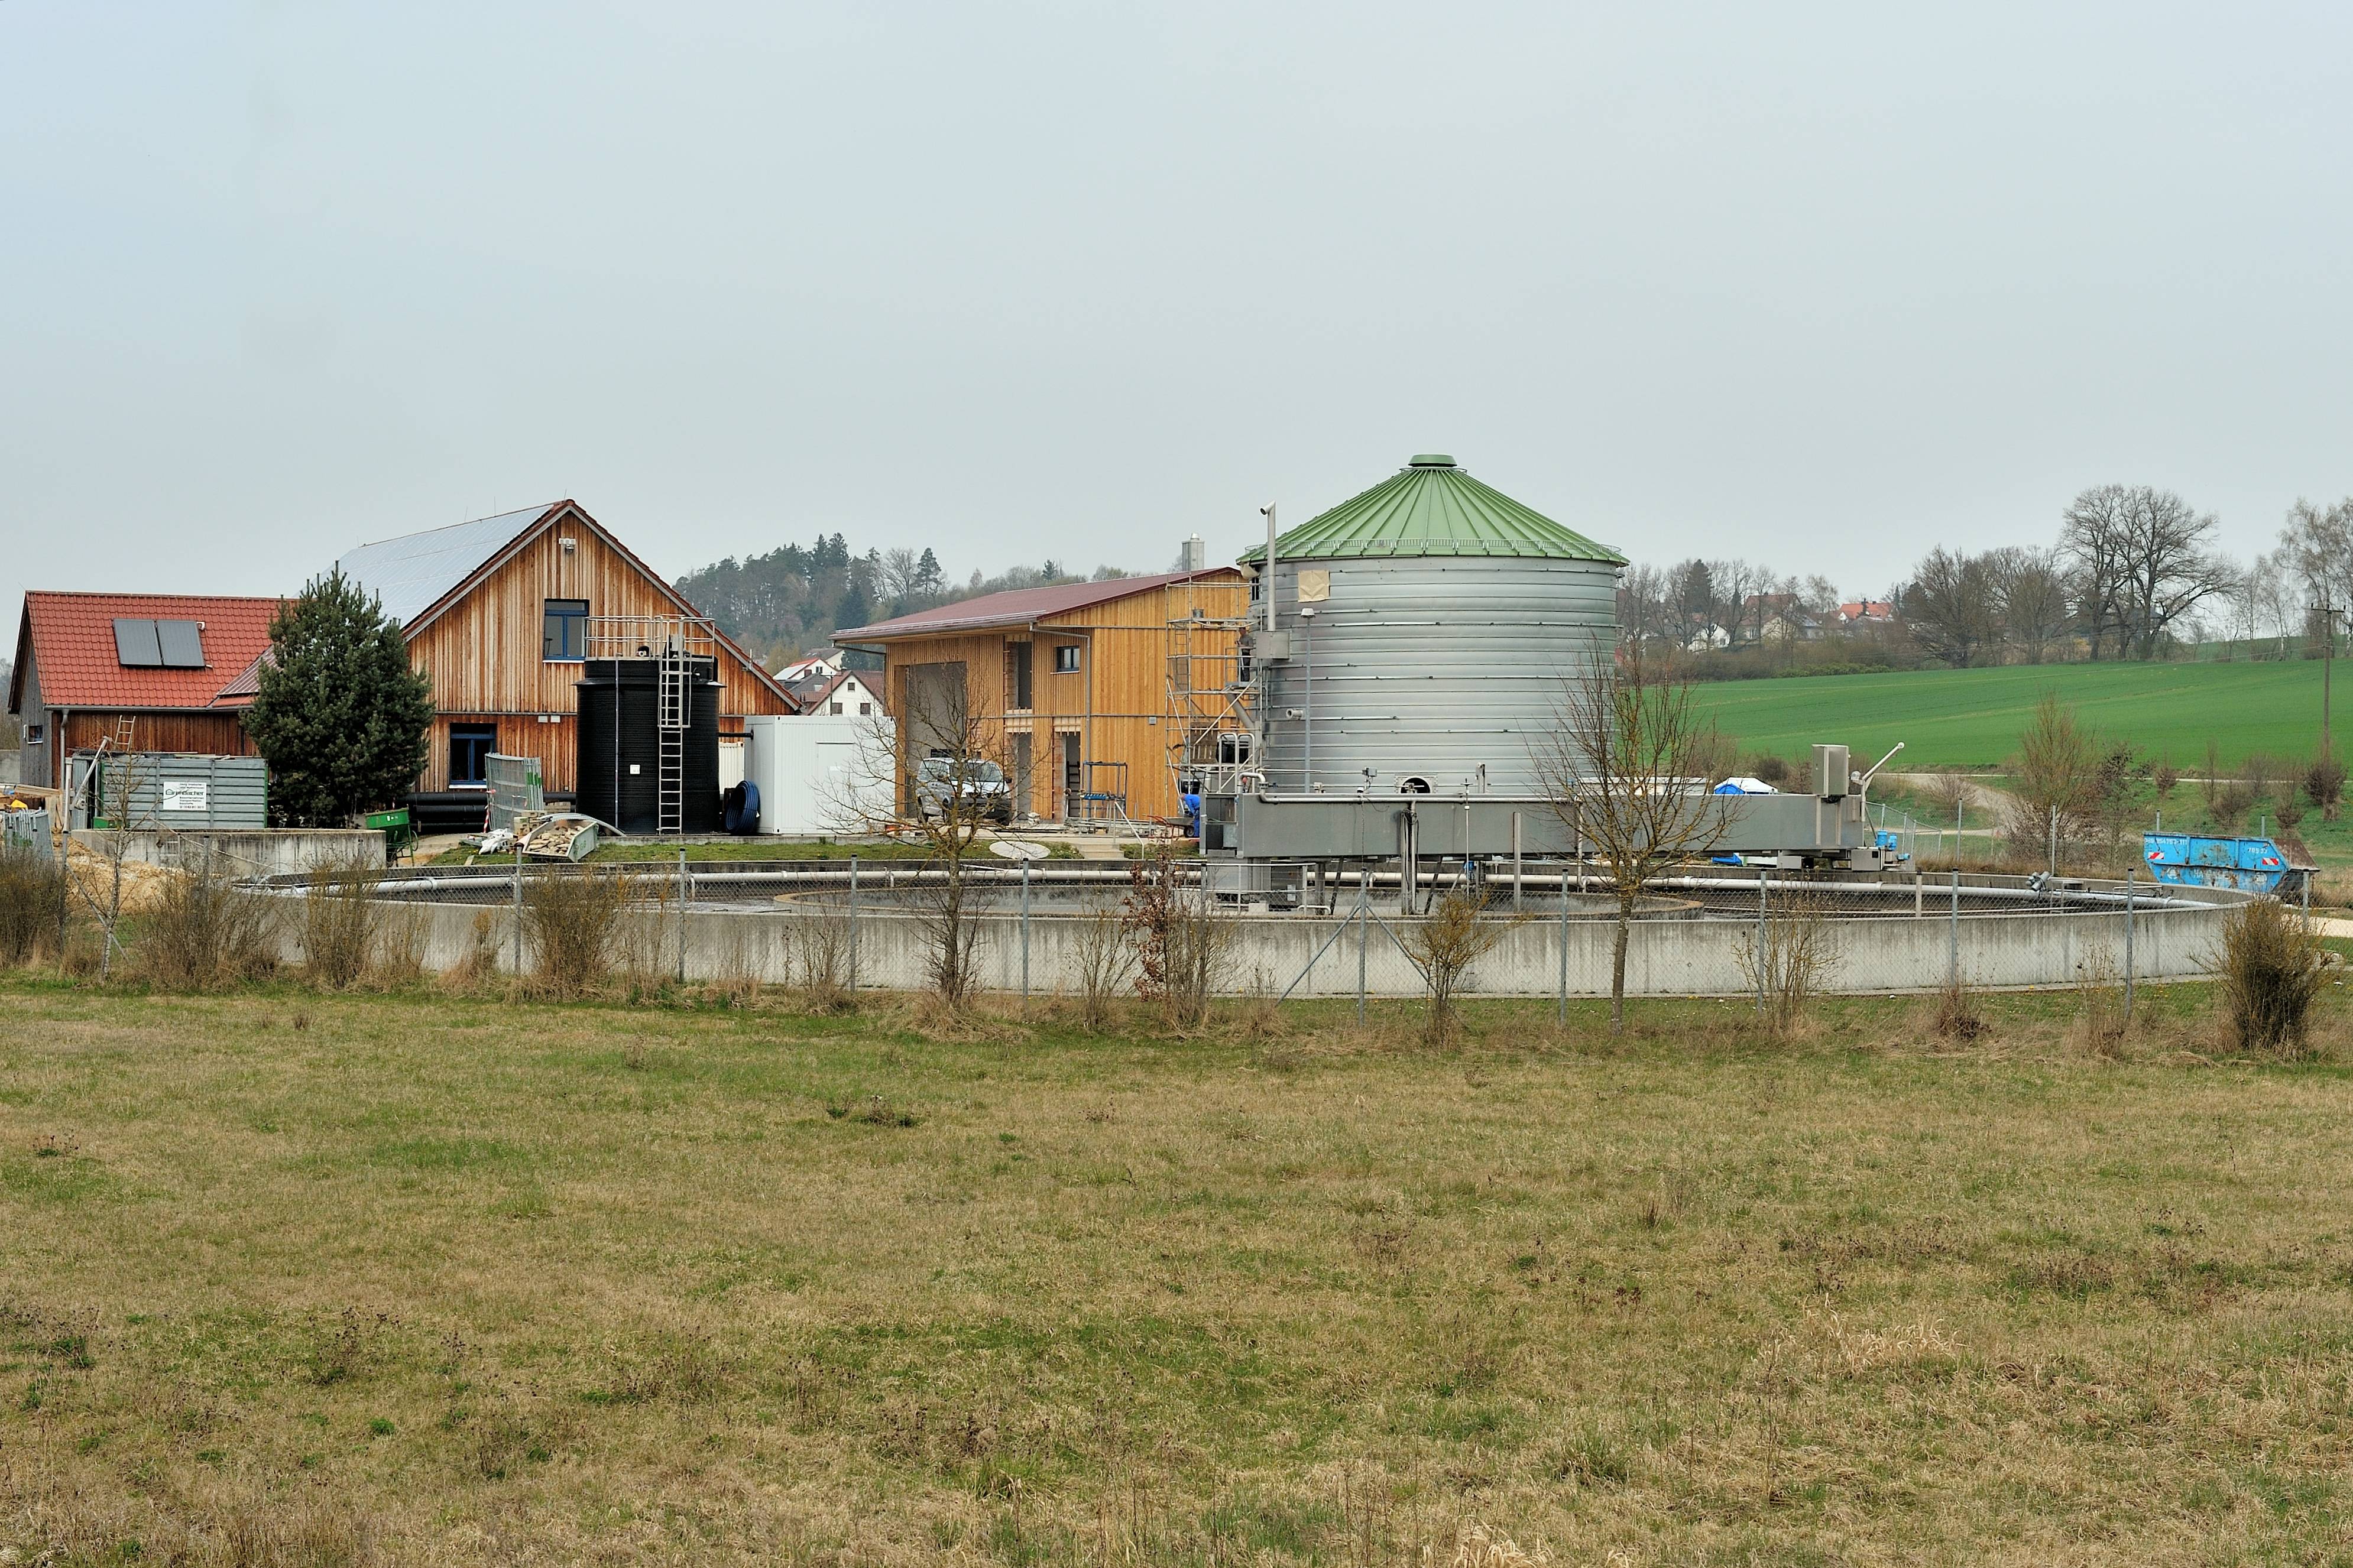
1822, 286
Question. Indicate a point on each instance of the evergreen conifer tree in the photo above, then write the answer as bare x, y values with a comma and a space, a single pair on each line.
341, 716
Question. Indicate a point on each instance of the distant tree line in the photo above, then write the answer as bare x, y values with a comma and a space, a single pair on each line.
792, 599
2132, 574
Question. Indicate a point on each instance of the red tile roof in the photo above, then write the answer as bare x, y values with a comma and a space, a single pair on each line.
1019, 607
71, 640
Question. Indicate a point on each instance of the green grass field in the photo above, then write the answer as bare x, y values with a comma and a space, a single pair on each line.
1971, 718
300, 1282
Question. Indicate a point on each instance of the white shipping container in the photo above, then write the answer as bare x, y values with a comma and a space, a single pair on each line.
812, 771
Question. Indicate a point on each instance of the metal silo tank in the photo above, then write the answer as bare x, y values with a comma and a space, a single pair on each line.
1448, 621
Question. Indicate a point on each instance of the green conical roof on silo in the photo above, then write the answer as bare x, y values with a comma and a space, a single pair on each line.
1434, 508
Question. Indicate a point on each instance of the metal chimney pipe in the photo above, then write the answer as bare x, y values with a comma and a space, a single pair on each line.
1267, 589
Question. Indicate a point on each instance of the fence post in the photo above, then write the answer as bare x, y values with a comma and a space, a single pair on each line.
1953, 944
518, 908
1515, 862
1564, 938
2128, 940
1919, 906
685, 893
853, 922
1363, 931
1025, 936
1762, 873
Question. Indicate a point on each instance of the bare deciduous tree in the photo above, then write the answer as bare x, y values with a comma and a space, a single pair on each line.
2056, 787
1952, 606
2144, 557
2031, 591
938, 774
2317, 545
1626, 764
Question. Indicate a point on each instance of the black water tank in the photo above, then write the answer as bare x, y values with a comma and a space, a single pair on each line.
621, 747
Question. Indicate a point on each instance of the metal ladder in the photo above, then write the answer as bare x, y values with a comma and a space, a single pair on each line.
670, 764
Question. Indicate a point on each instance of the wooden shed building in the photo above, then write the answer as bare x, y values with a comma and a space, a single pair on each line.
501, 613
1096, 691
159, 672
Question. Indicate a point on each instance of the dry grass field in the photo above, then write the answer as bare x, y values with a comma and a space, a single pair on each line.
420, 1278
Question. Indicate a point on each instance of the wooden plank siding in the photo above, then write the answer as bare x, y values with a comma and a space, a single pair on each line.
216, 733
1116, 702
483, 650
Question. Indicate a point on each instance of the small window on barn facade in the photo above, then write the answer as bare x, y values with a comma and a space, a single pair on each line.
1066, 659
470, 746
565, 632
1019, 654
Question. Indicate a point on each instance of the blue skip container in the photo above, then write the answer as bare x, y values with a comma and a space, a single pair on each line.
2250, 865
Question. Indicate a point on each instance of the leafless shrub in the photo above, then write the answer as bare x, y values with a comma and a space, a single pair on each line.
477, 968
32, 892
2257, 772
2230, 804
1444, 946
400, 945
1951, 794
571, 923
1957, 1016
741, 973
1181, 938
2324, 786
820, 956
2272, 964
2100, 1002
342, 921
1792, 961
206, 930
1106, 967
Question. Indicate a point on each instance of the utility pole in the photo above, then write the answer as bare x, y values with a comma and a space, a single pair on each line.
2327, 613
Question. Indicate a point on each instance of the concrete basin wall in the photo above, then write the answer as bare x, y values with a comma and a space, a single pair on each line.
1311, 956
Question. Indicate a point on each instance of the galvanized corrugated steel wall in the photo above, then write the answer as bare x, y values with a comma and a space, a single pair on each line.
1432, 667
185, 790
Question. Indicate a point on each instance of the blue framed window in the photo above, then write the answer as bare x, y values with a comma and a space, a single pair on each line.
470, 746
564, 634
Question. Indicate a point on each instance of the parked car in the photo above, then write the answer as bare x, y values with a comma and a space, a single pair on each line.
979, 784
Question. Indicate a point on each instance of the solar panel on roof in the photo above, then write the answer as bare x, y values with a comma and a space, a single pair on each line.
182, 644
136, 646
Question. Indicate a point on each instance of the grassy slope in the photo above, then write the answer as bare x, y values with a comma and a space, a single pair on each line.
541, 1285
1971, 718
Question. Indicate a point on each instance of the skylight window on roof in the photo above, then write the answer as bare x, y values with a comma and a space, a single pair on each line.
136, 646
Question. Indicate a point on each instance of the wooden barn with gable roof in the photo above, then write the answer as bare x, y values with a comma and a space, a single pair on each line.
500, 613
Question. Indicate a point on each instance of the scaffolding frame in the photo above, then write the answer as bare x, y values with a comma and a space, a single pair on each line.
1210, 711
